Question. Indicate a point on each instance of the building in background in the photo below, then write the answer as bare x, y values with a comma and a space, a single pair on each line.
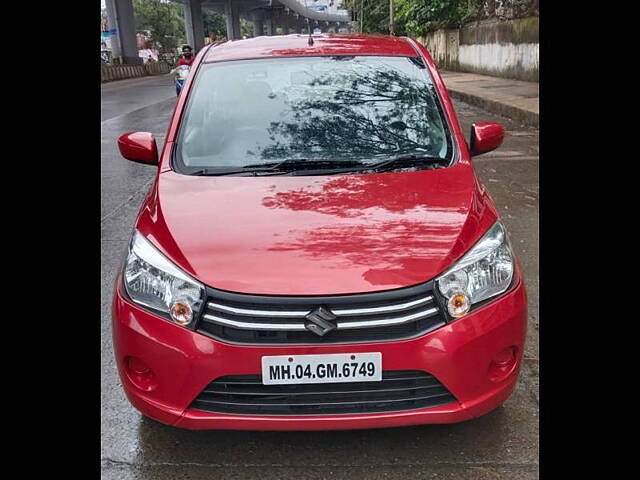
105, 37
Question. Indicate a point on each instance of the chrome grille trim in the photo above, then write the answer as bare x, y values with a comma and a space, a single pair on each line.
257, 319
387, 322
384, 309
300, 326
253, 326
249, 312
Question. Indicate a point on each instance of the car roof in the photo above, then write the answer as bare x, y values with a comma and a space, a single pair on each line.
297, 45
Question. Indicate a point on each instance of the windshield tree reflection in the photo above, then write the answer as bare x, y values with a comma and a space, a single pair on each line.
320, 108
372, 112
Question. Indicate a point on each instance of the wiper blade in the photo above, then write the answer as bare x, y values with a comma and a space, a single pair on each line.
317, 167
292, 164
215, 173
279, 168
404, 161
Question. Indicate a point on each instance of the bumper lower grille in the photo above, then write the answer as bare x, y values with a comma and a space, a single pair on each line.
254, 319
399, 390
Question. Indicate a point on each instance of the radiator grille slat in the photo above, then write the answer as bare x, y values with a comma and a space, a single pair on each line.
398, 391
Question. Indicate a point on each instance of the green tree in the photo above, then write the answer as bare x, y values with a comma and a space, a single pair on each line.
375, 15
214, 24
163, 19
420, 17
412, 17
246, 28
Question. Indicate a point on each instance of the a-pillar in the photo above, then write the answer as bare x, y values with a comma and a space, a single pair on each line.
232, 15
193, 24
121, 21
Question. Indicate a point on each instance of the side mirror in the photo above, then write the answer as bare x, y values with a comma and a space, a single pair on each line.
139, 147
485, 136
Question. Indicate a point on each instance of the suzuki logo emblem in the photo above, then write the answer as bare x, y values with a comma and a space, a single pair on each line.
320, 321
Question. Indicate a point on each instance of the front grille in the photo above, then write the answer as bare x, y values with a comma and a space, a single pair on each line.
399, 390
257, 319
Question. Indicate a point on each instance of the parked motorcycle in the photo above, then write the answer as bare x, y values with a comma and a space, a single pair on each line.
181, 73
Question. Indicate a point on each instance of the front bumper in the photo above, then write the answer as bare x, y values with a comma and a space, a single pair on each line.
185, 362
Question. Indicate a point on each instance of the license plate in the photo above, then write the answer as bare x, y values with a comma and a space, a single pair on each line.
331, 368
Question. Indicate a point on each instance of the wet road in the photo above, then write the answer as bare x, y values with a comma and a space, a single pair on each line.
502, 444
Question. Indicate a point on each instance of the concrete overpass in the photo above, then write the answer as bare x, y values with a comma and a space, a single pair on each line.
266, 15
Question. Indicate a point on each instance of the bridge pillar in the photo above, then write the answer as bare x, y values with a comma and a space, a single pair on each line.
193, 24
232, 14
285, 23
270, 26
293, 24
120, 19
257, 17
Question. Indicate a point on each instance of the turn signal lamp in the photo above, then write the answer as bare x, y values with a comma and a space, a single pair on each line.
458, 305
181, 312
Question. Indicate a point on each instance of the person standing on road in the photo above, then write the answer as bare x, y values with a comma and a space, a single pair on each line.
187, 56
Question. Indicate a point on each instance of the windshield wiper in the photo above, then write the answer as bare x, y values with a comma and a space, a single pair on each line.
317, 167
209, 172
279, 168
292, 164
405, 161
327, 167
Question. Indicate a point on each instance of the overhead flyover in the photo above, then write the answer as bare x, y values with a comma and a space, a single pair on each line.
267, 16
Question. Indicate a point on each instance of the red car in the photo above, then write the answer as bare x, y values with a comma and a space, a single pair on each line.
316, 251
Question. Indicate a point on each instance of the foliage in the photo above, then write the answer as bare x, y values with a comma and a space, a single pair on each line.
246, 28
214, 24
422, 16
163, 19
508, 9
412, 17
374, 12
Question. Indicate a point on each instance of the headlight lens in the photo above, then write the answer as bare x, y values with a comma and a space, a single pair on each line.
153, 281
484, 272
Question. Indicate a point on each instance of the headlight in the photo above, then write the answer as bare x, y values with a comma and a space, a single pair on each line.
484, 272
153, 281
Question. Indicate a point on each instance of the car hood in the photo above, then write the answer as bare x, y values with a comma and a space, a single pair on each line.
317, 235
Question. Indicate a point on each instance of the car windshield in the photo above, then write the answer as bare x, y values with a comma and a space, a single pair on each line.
331, 109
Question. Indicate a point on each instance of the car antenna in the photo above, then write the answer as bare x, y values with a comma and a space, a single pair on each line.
309, 25
310, 35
